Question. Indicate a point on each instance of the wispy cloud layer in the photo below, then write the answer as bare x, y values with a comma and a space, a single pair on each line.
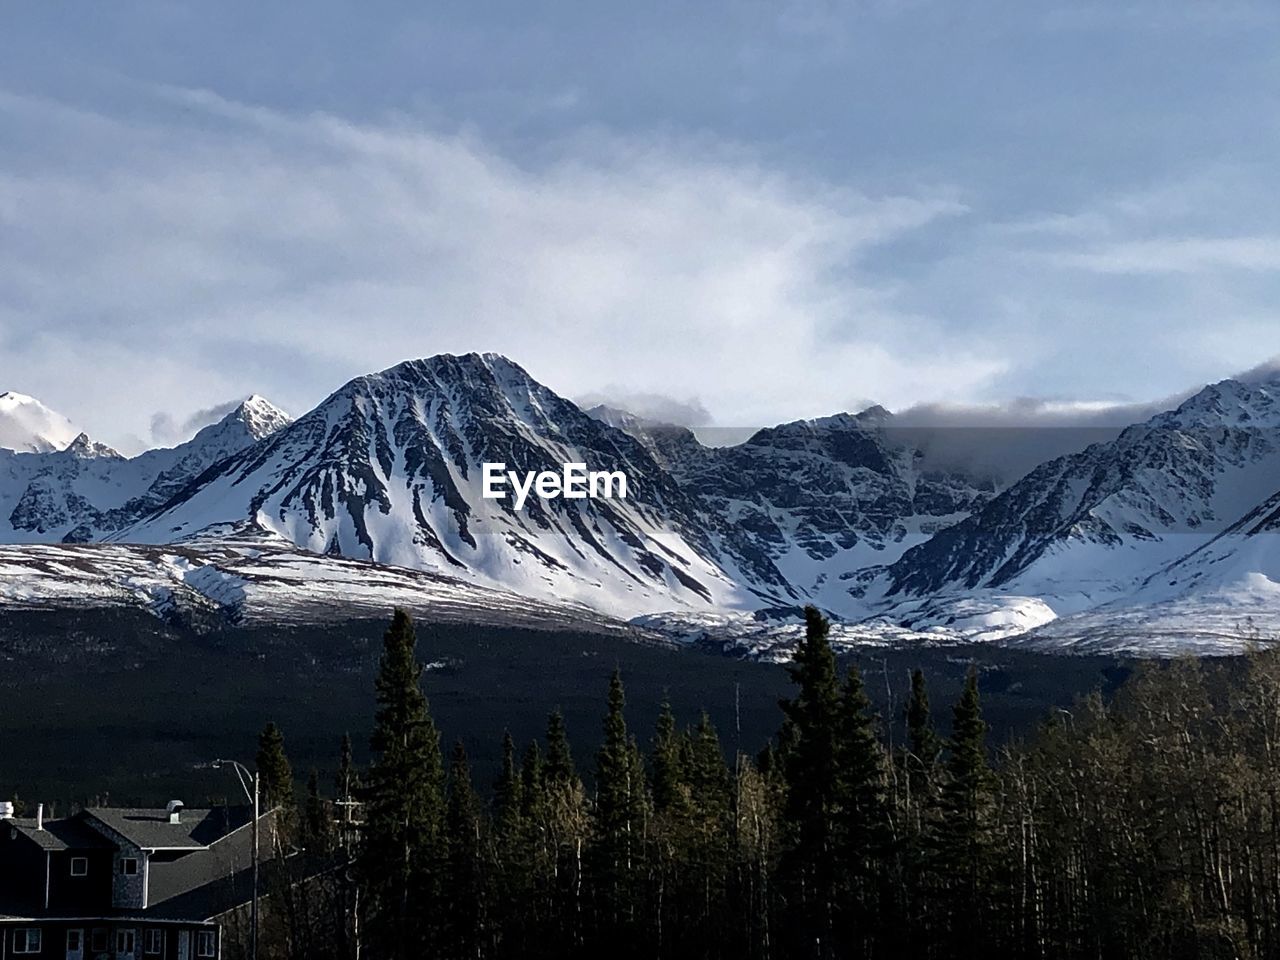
167, 247
226, 249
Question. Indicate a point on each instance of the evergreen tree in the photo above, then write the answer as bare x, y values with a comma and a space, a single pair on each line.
559, 756
862, 820
965, 833
917, 879
667, 764
565, 831
620, 820
923, 744
531, 783
812, 771
672, 834
507, 791
275, 775
510, 872
709, 779
404, 805
275, 782
465, 889
709, 845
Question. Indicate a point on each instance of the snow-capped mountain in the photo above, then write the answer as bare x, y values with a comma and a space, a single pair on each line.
1163, 538
87, 490
388, 469
28, 426
1085, 528
824, 499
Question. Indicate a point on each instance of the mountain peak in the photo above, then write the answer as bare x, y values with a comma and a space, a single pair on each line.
466, 369
84, 448
260, 416
1239, 403
28, 426
248, 422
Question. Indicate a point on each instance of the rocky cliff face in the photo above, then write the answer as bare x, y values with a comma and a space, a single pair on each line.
823, 499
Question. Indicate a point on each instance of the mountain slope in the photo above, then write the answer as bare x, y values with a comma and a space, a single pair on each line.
208, 583
1216, 599
824, 499
87, 490
28, 426
1091, 525
388, 468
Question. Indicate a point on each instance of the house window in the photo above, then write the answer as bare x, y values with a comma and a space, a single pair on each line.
204, 943
26, 940
98, 940
75, 941
79, 866
126, 941
129, 866
154, 942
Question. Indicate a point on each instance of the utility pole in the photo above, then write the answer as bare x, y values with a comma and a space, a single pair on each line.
243, 774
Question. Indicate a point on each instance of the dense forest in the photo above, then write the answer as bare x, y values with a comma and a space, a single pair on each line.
1146, 826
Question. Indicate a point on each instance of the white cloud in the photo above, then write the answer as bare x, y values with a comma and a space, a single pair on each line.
217, 250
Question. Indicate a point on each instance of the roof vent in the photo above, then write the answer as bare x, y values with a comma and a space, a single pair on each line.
174, 808
6, 810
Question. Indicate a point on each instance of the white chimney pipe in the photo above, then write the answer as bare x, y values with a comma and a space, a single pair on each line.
39, 816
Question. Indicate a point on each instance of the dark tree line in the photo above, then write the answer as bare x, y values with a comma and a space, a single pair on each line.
1144, 827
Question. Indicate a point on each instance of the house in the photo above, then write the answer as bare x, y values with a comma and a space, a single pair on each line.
124, 884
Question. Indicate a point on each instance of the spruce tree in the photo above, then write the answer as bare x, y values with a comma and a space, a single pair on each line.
620, 818
923, 744
672, 834
862, 824
811, 738
559, 767
465, 890
532, 772
275, 775
709, 853
566, 830
709, 778
507, 793
275, 781
919, 878
510, 870
667, 764
404, 805
967, 807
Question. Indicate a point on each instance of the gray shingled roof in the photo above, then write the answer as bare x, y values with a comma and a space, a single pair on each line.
151, 829
67, 834
205, 872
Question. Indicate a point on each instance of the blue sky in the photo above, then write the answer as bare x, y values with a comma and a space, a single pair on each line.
759, 210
